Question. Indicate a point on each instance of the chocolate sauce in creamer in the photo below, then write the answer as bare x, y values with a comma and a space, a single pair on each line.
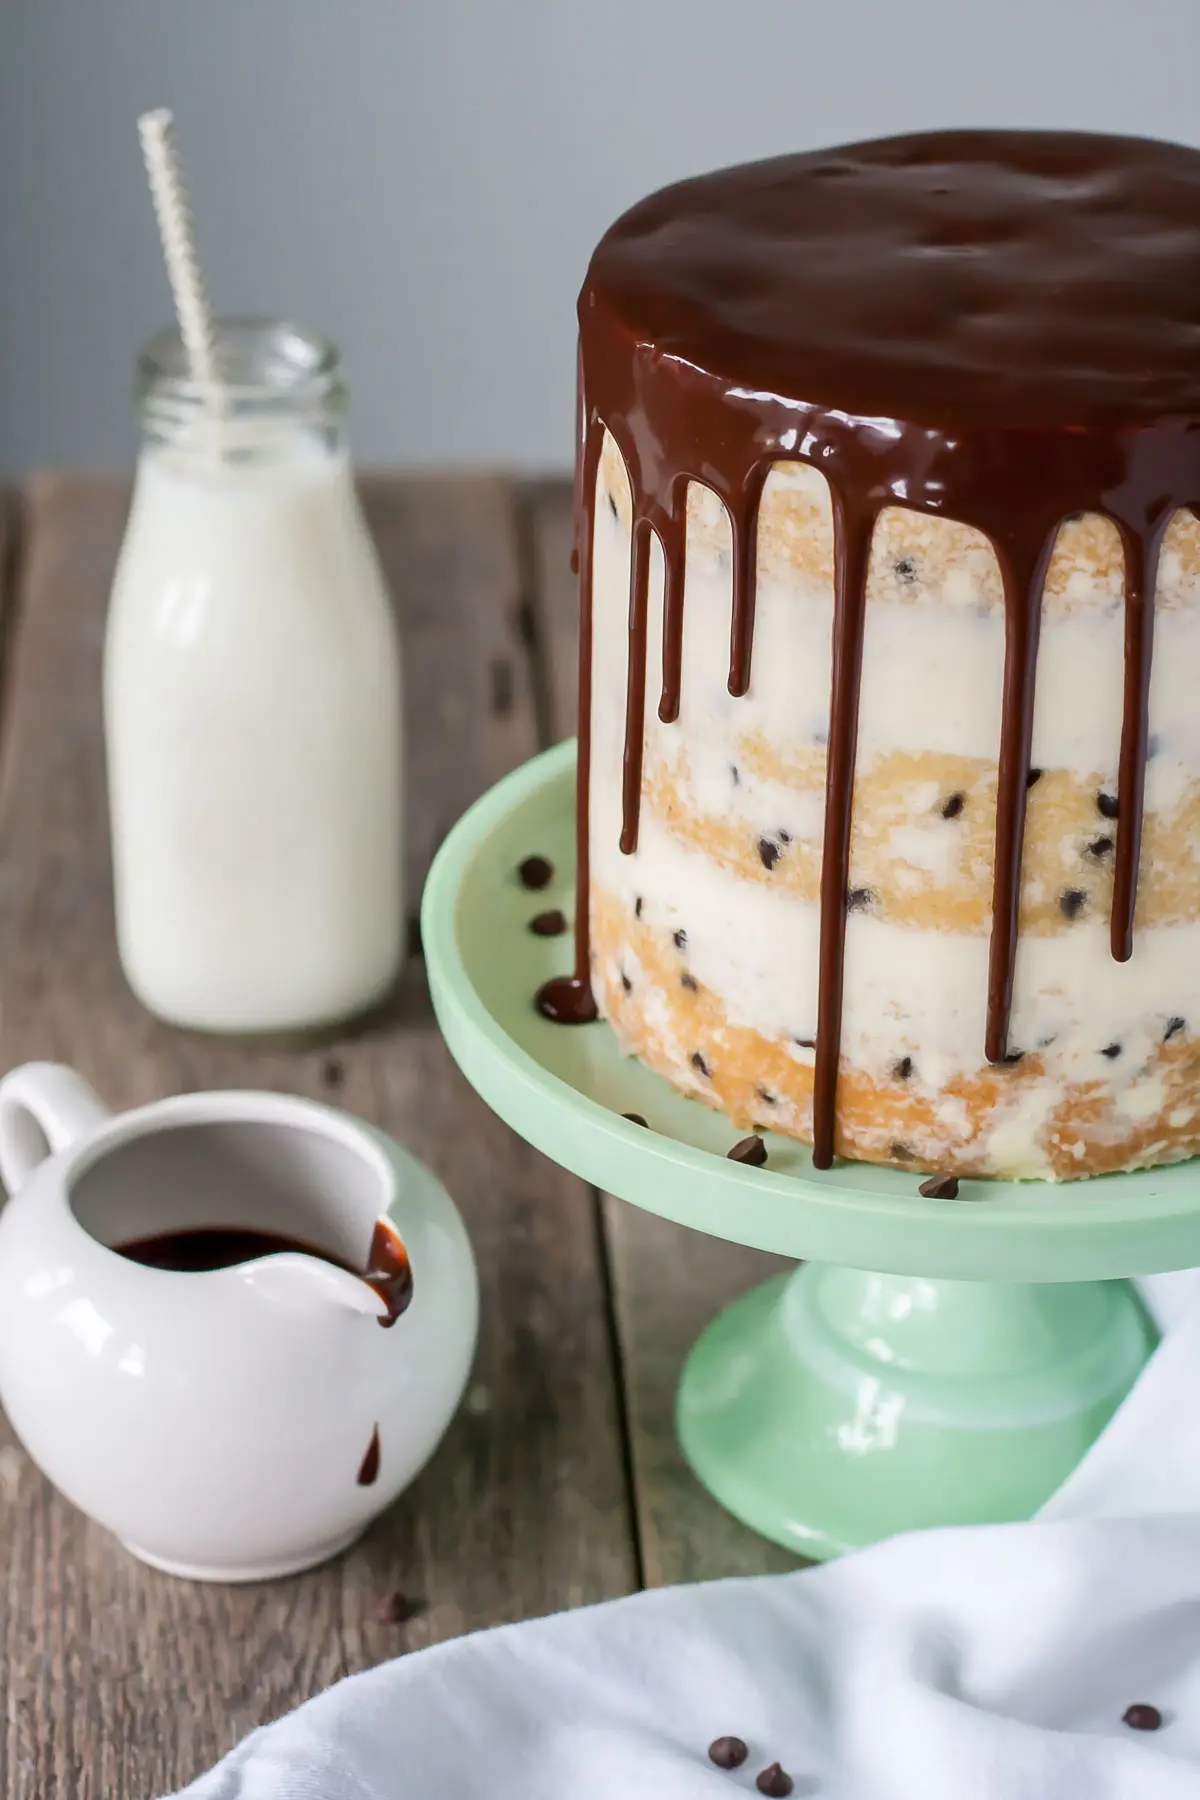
1001, 328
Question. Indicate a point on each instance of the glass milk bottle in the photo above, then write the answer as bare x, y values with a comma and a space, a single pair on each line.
252, 701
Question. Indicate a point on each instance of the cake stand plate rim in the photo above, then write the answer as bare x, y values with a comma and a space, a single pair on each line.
1115, 1225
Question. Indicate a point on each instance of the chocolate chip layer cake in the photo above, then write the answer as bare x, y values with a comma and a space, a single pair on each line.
889, 802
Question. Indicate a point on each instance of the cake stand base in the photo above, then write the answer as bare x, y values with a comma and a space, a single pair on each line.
831, 1407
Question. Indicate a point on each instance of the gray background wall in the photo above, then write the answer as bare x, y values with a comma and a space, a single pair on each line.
424, 179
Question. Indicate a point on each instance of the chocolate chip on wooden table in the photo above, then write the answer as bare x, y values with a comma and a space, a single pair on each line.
535, 872
1141, 1716
548, 924
727, 1752
398, 1609
775, 1782
940, 1187
749, 1150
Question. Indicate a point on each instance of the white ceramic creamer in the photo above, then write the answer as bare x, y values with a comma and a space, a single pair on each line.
253, 703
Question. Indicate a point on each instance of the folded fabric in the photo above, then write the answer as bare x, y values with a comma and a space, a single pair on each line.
987, 1663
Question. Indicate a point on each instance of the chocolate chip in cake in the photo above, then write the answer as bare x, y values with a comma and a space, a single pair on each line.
1112, 1051
735, 773
1174, 1026
548, 924
903, 1069
1033, 777
940, 1187
398, 1609
768, 851
750, 1150
727, 1752
901, 1153
1010, 1059
626, 983
637, 907
612, 507
1099, 848
1153, 746
859, 899
680, 939
775, 1782
805, 1043
1141, 1716
785, 837
699, 1063
535, 872
635, 1119
1106, 805
766, 1096
1071, 902
688, 980
906, 569
953, 806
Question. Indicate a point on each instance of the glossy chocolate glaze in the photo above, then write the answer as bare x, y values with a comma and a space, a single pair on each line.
1001, 328
208, 1247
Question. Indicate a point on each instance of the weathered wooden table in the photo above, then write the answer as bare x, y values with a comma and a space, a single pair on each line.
560, 1483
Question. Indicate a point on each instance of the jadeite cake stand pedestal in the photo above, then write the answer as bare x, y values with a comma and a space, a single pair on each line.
934, 1362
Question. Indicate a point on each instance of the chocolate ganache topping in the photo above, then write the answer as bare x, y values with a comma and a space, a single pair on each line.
1002, 328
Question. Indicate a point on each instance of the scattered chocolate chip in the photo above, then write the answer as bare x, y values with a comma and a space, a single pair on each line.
1141, 1716
858, 899
1071, 902
775, 1782
901, 1153
735, 772
766, 1096
398, 1609
1173, 1027
679, 938
548, 924
612, 507
906, 569
750, 1150
954, 806
1112, 1051
688, 980
333, 1074
536, 872
635, 1119
626, 984
415, 946
1033, 777
502, 687
940, 1187
903, 1069
1099, 848
768, 852
1106, 805
727, 1752
785, 837
698, 1062
637, 907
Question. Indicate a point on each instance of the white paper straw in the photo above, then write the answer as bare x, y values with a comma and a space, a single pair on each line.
178, 236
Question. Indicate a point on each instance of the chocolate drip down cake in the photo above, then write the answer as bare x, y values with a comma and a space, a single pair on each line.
889, 804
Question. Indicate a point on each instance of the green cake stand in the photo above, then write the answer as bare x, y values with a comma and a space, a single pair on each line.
933, 1362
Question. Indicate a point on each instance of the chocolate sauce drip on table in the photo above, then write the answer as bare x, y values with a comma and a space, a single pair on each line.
1001, 328
207, 1247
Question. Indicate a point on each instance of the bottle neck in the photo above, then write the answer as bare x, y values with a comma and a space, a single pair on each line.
280, 397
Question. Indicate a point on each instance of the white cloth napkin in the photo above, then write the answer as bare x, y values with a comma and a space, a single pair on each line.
985, 1663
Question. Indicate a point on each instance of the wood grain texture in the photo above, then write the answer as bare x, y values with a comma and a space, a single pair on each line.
667, 1282
124, 1683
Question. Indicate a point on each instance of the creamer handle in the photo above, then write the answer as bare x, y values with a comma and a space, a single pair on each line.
44, 1108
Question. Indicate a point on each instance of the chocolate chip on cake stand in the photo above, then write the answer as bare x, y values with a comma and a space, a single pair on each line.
940, 1187
548, 924
535, 872
750, 1150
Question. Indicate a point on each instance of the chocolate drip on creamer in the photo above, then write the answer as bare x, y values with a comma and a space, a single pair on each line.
1001, 328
